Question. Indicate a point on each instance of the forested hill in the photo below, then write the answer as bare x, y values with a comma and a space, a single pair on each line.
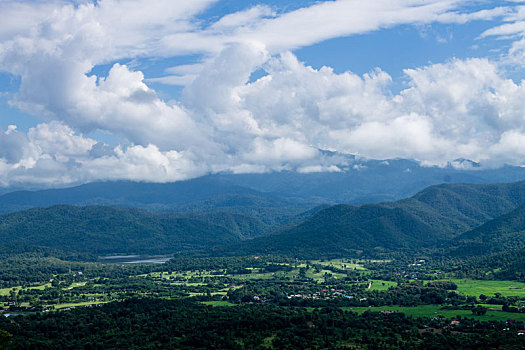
101, 230
455, 208
506, 232
201, 197
431, 217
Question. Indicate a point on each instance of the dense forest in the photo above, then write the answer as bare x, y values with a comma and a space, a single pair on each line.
163, 324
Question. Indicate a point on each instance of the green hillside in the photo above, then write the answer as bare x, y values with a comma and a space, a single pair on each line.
455, 208
431, 217
503, 233
103, 230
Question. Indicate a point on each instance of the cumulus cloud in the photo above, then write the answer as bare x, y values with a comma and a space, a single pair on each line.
53, 154
223, 120
14, 146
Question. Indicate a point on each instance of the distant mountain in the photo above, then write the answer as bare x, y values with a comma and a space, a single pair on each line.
201, 196
360, 181
372, 181
436, 214
126, 193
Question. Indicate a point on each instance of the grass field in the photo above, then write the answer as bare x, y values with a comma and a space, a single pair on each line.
86, 303
262, 276
76, 284
381, 285
5, 291
320, 275
217, 303
435, 311
340, 264
477, 287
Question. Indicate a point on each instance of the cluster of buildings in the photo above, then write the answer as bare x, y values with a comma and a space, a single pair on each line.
323, 294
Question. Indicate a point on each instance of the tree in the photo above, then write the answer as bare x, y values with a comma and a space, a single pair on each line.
5, 339
479, 310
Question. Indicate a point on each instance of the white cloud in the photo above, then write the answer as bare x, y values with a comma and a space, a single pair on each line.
461, 18
341, 18
459, 109
514, 24
506, 29
223, 122
14, 146
243, 19
22, 17
176, 80
281, 150
319, 169
516, 54
52, 154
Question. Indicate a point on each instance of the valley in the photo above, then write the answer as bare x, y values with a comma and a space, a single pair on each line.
421, 292
447, 261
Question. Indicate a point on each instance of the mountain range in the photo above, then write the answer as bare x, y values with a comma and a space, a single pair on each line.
431, 218
465, 218
358, 182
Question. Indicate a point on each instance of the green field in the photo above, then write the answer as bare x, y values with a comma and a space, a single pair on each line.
5, 291
217, 303
381, 285
435, 311
340, 264
319, 276
87, 303
476, 287
76, 285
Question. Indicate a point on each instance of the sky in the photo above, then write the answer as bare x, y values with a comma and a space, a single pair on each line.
166, 90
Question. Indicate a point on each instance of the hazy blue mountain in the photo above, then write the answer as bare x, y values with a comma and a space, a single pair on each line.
372, 181
125, 193
359, 182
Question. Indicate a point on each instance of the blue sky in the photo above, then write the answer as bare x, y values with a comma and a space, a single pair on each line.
167, 90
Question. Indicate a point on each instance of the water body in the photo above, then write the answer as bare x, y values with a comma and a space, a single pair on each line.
134, 259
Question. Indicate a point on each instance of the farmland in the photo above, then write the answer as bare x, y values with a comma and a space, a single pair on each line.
348, 283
